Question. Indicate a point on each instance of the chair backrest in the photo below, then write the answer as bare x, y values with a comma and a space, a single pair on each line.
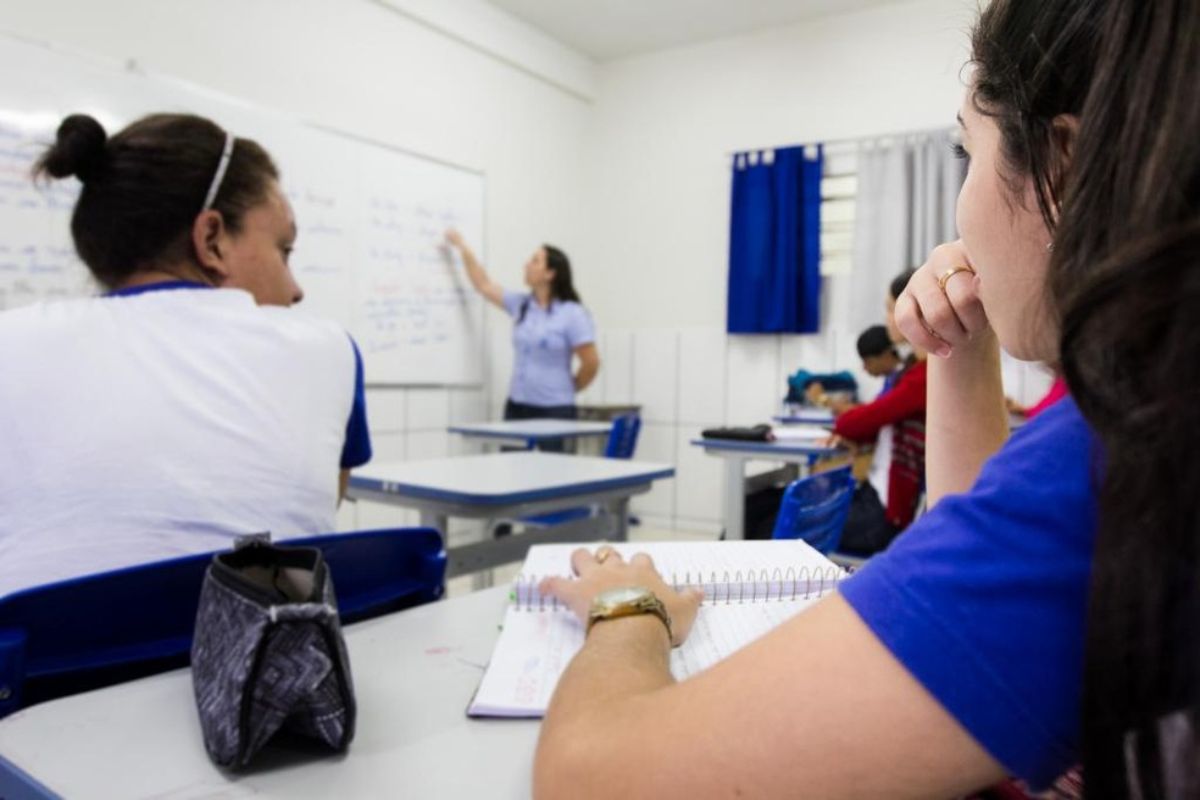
815, 509
96, 630
622, 439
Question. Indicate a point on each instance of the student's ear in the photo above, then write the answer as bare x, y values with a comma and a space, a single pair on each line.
1064, 132
210, 244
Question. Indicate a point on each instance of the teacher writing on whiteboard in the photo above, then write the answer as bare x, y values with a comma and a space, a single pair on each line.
551, 326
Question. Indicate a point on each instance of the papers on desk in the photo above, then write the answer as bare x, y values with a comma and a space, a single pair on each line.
750, 588
800, 434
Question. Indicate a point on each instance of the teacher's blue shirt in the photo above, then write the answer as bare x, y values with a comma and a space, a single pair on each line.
543, 341
984, 599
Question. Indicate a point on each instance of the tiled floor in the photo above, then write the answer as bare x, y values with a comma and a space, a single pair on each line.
504, 574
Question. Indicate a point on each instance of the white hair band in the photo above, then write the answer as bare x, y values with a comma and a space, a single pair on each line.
222, 166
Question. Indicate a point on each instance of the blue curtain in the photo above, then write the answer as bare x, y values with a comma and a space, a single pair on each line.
775, 243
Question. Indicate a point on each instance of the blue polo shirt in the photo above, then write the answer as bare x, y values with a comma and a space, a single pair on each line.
543, 342
984, 598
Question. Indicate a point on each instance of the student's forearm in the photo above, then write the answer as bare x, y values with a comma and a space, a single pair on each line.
965, 421
586, 374
594, 706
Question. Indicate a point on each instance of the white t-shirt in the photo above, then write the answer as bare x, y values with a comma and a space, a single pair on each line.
142, 427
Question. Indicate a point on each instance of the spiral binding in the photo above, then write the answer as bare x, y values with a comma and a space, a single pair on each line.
777, 585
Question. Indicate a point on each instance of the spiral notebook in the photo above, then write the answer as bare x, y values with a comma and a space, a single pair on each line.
749, 588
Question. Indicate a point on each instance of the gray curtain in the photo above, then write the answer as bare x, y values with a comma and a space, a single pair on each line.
904, 207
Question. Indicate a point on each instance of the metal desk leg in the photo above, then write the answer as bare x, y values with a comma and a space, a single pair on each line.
735, 496
620, 511
432, 519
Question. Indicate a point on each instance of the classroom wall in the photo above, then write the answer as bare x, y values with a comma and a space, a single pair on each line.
658, 206
500, 98
622, 164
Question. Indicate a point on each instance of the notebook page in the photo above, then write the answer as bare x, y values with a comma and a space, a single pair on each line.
536, 646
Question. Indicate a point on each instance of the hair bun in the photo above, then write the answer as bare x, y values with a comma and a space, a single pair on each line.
78, 148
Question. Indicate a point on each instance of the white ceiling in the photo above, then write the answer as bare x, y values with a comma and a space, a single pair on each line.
609, 29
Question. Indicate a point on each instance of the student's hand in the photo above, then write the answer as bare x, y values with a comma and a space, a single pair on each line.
606, 569
837, 441
455, 239
814, 393
940, 309
840, 405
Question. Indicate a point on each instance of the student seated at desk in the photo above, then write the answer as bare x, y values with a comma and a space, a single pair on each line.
184, 406
886, 502
1043, 612
879, 359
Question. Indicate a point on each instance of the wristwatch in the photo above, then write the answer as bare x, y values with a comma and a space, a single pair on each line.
628, 601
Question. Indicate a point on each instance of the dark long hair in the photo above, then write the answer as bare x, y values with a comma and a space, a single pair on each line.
562, 288
144, 187
1125, 284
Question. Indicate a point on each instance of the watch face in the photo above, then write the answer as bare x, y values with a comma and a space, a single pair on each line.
621, 596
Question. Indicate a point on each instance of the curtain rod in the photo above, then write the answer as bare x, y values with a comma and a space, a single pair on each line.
843, 141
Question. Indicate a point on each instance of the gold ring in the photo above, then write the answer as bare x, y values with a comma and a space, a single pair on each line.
603, 554
950, 273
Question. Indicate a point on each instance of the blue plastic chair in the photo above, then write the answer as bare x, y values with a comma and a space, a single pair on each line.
622, 441
96, 630
815, 509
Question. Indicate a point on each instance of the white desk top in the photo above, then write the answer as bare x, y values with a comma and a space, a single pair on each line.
414, 673
505, 478
533, 429
812, 416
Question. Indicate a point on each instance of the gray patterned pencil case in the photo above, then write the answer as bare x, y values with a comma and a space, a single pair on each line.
268, 653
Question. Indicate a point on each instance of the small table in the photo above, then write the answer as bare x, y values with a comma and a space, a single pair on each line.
531, 432
414, 674
737, 453
508, 485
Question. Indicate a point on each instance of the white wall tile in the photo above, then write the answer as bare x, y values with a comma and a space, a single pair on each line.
656, 443
387, 447
428, 409
698, 486
385, 410
427, 444
468, 405
656, 374
1012, 375
752, 390
617, 366
702, 376
372, 516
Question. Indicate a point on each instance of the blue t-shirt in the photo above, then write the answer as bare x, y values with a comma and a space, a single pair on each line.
984, 599
543, 341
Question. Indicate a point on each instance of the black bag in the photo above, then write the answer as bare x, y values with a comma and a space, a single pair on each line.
758, 433
268, 653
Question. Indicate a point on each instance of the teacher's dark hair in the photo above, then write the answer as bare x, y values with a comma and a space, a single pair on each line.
561, 286
1125, 283
144, 187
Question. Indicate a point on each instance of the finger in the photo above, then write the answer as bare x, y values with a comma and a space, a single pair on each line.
582, 561
937, 312
643, 560
912, 325
570, 593
963, 292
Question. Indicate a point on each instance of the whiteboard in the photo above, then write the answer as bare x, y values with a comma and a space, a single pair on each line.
371, 218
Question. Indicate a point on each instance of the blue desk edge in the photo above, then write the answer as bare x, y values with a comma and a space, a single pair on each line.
17, 784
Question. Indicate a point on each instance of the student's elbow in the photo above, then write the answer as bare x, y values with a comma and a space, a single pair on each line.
563, 767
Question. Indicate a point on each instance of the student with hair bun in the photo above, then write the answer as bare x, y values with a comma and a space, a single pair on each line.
185, 405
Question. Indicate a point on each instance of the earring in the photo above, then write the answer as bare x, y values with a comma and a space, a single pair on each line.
1049, 246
